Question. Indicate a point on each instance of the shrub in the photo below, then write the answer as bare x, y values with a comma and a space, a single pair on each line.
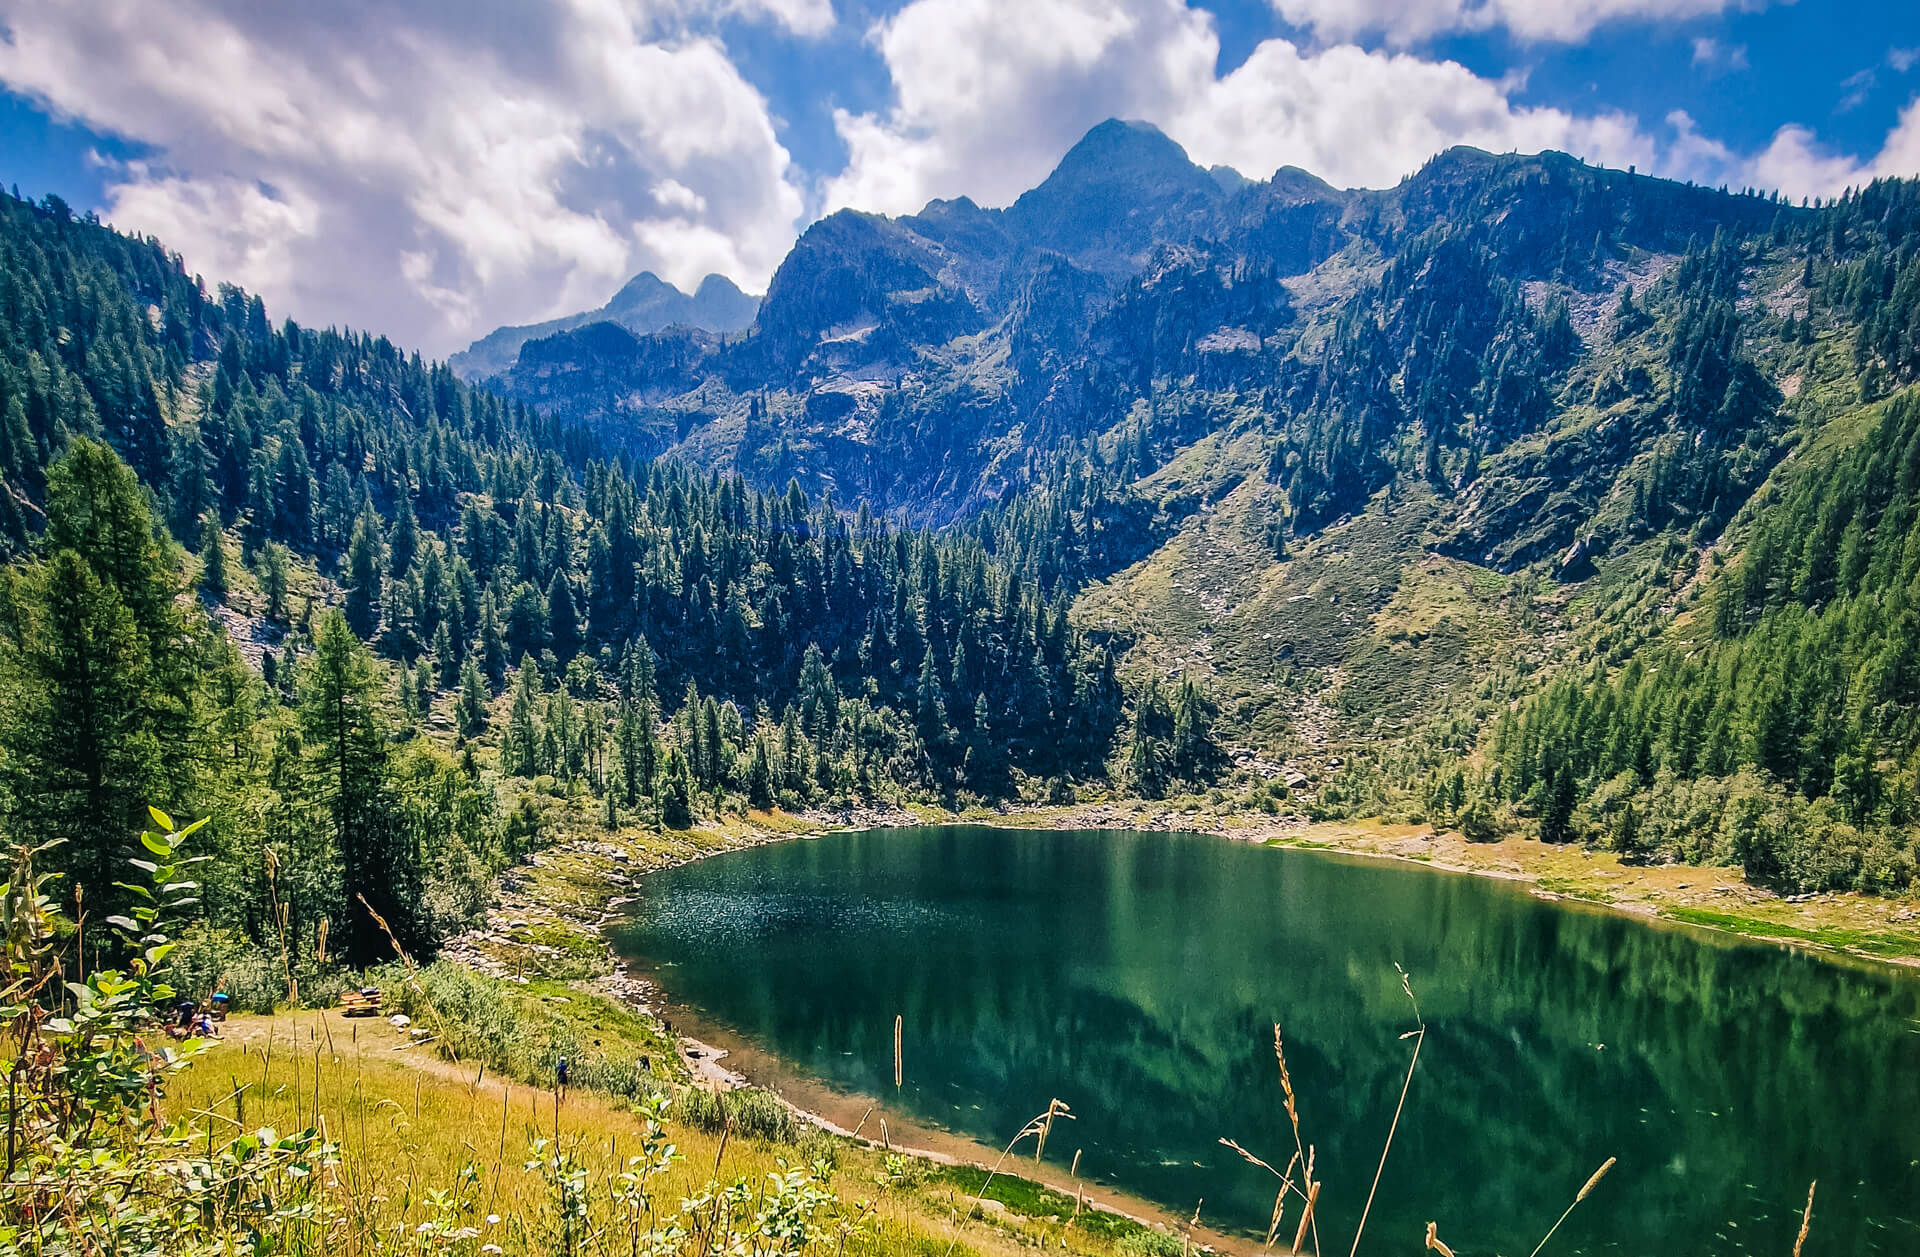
1477, 822
753, 1112
1145, 1243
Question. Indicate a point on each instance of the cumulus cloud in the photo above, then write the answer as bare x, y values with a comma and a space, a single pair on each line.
428, 172
1365, 119
1536, 21
1797, 163
989, 93
1794, 161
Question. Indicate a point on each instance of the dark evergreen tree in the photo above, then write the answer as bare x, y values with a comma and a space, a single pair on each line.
213, 559
345, 731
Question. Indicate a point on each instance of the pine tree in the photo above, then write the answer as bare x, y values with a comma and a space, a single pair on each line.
213, 558
563, 624
364, 580
526, 628
470, 709
1196, 753
819, 696
520, 750
403, 541
80, 762
345, 730
638, 749
986, 764
930, 712
273, 577
1556, 811
493, 646
760, 775
445, 658
676, 793
1149, 766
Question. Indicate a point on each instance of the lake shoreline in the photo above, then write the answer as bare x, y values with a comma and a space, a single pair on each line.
963, 867
599, 877
1838, 925
556, 889
1844, 926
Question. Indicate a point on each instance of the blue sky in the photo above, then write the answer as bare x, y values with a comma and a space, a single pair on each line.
435, 169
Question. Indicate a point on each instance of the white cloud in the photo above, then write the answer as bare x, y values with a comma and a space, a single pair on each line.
989, 93
429, 172
1365, 119
1404, 22
1716, 58
1796, 163
1858, 85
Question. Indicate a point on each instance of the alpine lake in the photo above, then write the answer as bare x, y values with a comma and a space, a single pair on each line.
1138, 977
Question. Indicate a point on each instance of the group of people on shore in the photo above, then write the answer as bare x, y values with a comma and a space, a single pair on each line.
198, 1019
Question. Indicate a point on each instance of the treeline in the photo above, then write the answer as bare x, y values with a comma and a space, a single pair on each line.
1787, 738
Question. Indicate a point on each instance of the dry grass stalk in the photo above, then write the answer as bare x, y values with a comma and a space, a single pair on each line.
1579, 1196
1286, 1085
279, 916
1286, 1185
1419, 1038
1079, 1196
898, 1070
1806, 1220
726, 1128
1435, 1243
1186, 1237
1306, 1220
1293, 1119
1055, 1108
1249, 1157
1279, 1212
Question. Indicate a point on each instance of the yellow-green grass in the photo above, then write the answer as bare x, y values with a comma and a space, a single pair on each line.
408, 1123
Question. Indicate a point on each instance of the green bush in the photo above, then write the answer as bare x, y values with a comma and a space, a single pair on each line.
1146, 1243
1477, 822
753, 1112
209, 960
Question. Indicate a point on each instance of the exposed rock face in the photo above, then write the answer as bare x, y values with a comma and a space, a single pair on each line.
933, 363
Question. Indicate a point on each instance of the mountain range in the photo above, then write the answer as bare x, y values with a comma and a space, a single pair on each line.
646, 303
1302, 405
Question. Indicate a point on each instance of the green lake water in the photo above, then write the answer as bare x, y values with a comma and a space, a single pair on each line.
1138, 977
